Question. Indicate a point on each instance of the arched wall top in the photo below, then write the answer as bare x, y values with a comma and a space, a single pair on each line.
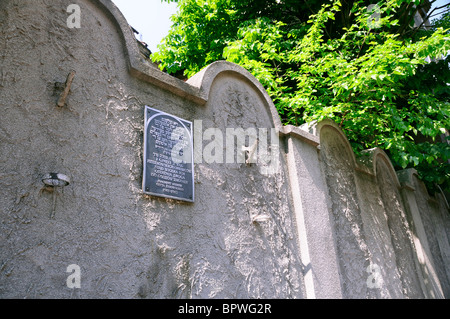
317, 129
368, 160
406, 178
206, 77
197, 88
138, 66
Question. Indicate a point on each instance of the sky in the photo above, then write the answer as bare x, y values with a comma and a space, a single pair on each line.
152, 18
439, 3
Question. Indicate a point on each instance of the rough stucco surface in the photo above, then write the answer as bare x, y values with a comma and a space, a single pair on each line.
319, 239
314, 212
433, 225
350, 240
127, 245
377, 234
399, 232
95, 140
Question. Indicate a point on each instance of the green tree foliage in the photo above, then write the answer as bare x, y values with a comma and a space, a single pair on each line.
383, 81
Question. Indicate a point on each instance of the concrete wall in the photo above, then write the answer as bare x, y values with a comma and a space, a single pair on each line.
319, 224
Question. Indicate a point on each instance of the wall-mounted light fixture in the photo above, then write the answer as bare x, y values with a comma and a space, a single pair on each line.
56, 180
53, 181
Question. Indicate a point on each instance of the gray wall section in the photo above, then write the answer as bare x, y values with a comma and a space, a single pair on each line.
335, 226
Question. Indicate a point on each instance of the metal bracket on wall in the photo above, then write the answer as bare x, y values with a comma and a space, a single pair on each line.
65, 93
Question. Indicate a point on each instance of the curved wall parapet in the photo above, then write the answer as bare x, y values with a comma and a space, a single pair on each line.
279, 211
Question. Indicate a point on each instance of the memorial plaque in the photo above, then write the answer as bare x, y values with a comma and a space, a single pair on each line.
168, 156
